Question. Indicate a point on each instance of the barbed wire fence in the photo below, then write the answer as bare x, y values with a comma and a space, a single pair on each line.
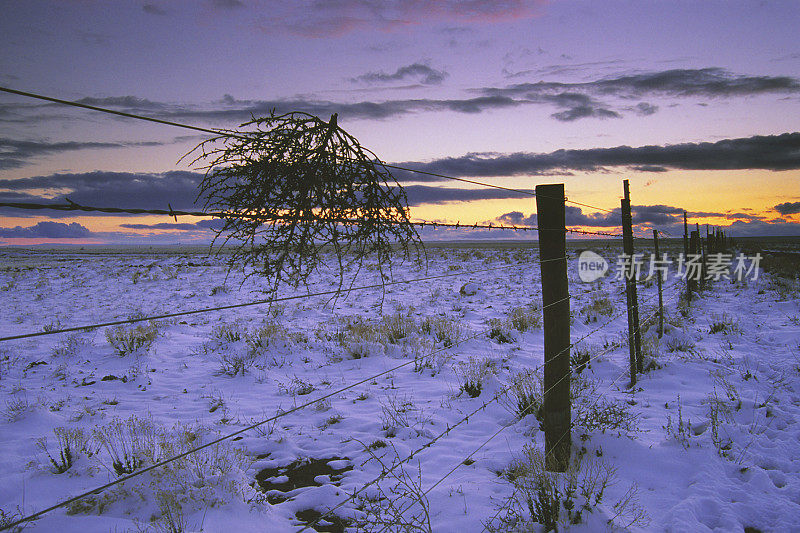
634, 328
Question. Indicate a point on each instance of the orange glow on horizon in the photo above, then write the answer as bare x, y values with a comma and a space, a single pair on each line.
720, 198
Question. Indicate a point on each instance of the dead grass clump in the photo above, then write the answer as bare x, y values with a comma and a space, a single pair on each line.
555, 501
599, 306
261, 338
524, 396
205, 478
394, 328
128, 444
679, 341
471, 375
724, 324
445, 330
132, 339
499, 331
525, 318
70, 444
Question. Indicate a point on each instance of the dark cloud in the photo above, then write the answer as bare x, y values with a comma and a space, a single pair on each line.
648, 168
131, 103
788, 208
711, 82
115, 189
759, 228
575, 105
232, 110
48, 230
573, 216
162, 225
583, 111
242, 110
654, 214
176, 188
16, 153
421, 194
574, 101
707, 82
227, 4
201, 225
418, 71
736, 216
514, 217
769, 152
8, 196
645, 215
153, 9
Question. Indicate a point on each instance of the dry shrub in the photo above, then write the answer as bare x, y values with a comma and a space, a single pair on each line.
525, 318
558, 500
524, 395
472, 373
290, 187
129, 340
444, 329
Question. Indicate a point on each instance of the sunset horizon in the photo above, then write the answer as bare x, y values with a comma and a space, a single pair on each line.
516, 94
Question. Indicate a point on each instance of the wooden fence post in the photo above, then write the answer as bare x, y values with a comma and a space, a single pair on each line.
660, 296
694, 247
555, 300
686, 257
710, 238
634, 336
702, 251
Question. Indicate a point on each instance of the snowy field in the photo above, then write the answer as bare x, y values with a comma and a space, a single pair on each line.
447, 369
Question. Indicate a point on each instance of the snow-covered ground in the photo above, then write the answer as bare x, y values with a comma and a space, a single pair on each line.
708, 440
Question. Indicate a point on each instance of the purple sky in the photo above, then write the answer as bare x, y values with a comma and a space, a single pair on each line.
695, 102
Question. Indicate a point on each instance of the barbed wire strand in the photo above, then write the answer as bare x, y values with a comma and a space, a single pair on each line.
494, 435
244, 137
163, 462
485, 443
514, 492
257, 302
572, 423
73, 206
496, 397
430, 443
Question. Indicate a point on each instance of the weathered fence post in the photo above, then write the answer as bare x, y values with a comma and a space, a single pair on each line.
658, 280
702, 251
694, 247
686, 257
710, 240
555, 300
634, 335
